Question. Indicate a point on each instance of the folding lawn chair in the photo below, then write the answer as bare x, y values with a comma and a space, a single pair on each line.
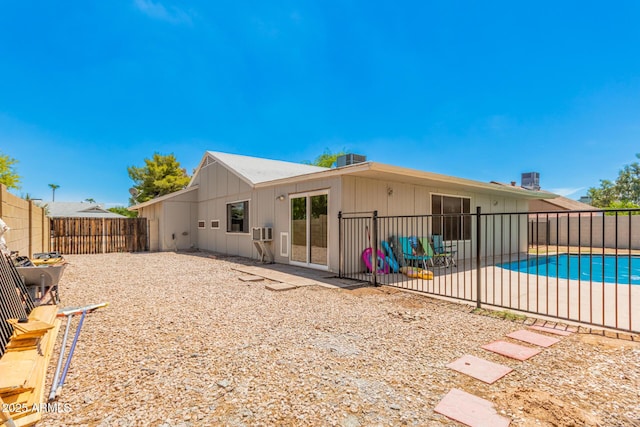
413, 250
444, 259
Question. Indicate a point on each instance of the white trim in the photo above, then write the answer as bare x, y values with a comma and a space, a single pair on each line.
226, 212
284, 244
162, 198
309, 194
211, 223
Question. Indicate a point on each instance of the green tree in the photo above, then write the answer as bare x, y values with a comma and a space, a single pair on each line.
628, 183
123, 211
604, 195
8, 175
624, 192
53, 187
90, 200
327, 159
159, 176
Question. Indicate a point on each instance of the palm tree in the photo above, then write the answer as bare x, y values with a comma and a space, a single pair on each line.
54, 187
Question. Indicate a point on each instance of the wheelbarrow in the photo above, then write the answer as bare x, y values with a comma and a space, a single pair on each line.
42, 281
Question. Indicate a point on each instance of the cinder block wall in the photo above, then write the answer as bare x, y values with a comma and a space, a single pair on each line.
29, 224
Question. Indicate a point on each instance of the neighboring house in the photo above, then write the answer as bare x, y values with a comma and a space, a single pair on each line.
560, 203
77, 210
556, 204
230, 194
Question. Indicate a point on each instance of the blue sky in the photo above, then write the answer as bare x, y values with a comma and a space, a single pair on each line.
481, 90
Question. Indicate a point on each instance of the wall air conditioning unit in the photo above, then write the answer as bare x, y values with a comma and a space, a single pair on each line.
262, 234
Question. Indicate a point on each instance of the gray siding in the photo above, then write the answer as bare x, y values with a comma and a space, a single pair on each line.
391, 198
218, 187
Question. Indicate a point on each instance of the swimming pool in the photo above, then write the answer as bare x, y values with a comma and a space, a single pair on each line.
582, 267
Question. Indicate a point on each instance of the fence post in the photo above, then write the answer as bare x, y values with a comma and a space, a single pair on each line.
478, 254
340, 244
374, 249
30, 230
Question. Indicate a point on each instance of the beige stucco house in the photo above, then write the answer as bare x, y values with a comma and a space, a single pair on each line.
231, 194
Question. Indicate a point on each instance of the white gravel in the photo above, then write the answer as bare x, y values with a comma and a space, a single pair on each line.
184, 342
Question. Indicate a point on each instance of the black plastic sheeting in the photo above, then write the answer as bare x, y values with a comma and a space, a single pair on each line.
15, 302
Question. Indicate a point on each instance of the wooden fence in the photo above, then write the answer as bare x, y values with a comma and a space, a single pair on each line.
99, 235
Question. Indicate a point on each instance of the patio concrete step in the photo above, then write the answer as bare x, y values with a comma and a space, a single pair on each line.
560, 332
470, 410
479, 369
533, 338
514, 351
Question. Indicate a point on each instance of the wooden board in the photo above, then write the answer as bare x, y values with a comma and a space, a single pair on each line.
45, 313
22, 344
30, 329
16, 371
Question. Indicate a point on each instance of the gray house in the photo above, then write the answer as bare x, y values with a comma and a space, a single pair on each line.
77, 210
231, 197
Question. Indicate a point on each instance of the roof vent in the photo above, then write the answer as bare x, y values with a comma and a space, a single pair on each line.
350, 159
531, 180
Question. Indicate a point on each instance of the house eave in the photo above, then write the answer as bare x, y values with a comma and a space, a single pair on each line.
383, 171
162, 198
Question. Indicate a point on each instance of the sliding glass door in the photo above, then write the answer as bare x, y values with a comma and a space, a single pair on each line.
309, 229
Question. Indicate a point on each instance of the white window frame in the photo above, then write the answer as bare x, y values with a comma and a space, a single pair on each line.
217, 227
236, 233
309, 194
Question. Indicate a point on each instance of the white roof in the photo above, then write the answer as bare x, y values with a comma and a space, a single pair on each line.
255, 170
260, 173
78, 210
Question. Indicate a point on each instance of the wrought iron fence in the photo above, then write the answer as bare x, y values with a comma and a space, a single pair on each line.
582, 266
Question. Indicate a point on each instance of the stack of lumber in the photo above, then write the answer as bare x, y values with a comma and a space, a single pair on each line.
23, 366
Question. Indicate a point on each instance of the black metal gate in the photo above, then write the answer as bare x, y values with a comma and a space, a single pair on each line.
582, 266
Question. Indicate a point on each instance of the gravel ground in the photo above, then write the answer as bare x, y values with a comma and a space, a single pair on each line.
184, 342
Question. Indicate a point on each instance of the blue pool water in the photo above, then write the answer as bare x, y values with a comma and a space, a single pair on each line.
582, 267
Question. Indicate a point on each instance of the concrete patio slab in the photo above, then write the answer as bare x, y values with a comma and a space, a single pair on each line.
514, 351
533, 338
251, 278
279, 287
296, 277
470, 410
479, 369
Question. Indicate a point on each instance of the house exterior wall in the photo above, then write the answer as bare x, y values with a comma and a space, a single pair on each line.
393, 198
172, 223
219, 186
177, 219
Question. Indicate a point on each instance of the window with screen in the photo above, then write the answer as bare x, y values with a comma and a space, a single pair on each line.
452, 219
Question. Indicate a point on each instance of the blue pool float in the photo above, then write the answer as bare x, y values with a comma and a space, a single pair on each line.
390, 258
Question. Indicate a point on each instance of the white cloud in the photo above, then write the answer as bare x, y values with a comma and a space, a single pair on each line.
156, 10
566, 192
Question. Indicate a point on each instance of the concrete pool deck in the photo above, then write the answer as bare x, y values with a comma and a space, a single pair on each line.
606, 305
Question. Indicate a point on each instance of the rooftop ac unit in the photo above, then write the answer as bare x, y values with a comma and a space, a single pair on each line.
531, 180
350, 159
262, 234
